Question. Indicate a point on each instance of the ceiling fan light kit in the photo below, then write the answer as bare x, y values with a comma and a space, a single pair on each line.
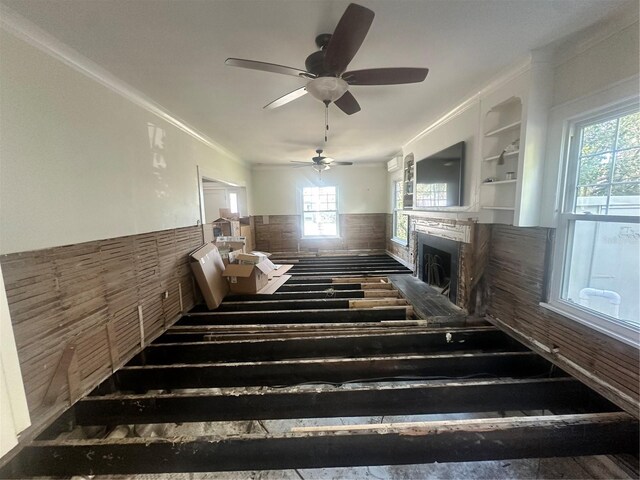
327, 89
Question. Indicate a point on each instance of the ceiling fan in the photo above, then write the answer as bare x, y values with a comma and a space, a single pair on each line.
320, 163
328, 80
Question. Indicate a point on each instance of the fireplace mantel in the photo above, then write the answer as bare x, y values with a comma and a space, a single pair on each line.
473, 239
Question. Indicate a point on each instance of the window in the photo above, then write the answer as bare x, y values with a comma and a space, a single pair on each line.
596, 278
400, 221
431, 195
233, 202
320, 212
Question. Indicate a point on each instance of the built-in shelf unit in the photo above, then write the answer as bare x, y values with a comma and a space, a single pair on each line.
513, 136
409, 172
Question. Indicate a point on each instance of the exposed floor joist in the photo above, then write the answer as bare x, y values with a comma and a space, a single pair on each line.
299, 355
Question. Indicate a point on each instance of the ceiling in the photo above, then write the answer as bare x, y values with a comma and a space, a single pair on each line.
174, 52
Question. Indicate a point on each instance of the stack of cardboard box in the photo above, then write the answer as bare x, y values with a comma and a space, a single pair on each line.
236, 272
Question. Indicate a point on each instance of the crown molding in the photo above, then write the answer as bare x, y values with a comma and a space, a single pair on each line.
20, 27
505, 77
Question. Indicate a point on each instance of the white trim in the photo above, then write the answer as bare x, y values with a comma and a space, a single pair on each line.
23, 29
618, 331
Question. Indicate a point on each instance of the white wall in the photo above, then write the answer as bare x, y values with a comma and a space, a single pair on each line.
361, 188
81, 162
14, 413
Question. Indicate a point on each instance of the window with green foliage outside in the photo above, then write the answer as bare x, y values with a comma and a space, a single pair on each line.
400, 221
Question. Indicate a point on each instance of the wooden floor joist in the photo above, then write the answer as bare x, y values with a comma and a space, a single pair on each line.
454, 441
410, 398
332, 370
335, 341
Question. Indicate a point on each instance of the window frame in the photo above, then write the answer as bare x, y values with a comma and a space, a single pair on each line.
337, 212
566, 221
397, 212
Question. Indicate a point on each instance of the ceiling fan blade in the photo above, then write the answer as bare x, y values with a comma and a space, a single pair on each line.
299, 162
385, 76
289, 97
347, 103
341, 163
268, 67
347, 38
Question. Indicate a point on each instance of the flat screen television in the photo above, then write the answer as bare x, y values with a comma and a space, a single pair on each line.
439, 178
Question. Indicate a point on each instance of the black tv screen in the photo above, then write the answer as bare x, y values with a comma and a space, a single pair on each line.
439, 178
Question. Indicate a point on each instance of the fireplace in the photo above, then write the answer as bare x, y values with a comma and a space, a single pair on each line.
438, 263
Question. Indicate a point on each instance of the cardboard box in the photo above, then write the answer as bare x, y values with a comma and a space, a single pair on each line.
208, 268
247, 278
252, 258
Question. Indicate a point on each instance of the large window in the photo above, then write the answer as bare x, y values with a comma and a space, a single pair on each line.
320, 212
400, 221
596, 277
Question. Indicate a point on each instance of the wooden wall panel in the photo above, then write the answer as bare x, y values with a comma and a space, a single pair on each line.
515, 273
283, 233
86, 296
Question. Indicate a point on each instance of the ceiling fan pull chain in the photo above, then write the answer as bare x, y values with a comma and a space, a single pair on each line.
326, 121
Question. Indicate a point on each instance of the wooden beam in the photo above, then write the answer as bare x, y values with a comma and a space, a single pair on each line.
328, 401
353, 345
331, 370
455, 441
333, 315
319, 294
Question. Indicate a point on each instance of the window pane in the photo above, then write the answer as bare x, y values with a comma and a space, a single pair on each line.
398, 194
592, 200
401, 227
627, 167
625, 199
598, 138
603, 271
595, 169
629, 131
320, 216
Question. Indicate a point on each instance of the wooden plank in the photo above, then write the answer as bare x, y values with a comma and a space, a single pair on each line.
329, 401
60, 375
488, 439
383, 302
297, 316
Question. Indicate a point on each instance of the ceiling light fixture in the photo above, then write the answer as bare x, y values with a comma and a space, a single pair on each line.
327, 89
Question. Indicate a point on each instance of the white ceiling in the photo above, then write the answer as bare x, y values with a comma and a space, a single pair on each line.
174, 52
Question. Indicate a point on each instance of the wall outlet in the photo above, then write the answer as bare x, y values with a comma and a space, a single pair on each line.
165, 294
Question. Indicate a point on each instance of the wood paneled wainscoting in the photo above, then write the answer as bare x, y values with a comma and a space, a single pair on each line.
516, 272
81, 311
357, 231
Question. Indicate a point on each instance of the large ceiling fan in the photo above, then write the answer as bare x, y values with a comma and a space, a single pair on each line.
320, 163
328, 80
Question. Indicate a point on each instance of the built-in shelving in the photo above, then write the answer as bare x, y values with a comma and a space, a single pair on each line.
499, 182
501, 153
506, 128
496, 157
408, 174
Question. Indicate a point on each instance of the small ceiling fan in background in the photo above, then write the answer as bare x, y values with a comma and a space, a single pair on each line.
320, 163
328, 80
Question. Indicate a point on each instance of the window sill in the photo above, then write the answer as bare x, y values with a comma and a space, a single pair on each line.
400, 241
321, 237
612, 329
